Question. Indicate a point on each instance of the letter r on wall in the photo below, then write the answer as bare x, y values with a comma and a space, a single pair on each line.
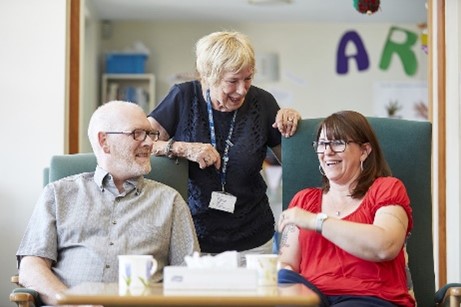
402, 50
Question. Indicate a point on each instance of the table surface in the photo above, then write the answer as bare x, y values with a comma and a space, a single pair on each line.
107, 294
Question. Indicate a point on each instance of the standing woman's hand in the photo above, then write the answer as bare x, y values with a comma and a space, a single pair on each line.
286, 121
202, 153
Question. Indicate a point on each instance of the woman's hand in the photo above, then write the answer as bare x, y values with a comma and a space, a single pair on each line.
298, 217
202, 153
286, 121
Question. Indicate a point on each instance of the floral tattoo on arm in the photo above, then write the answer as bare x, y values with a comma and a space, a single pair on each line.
284, 238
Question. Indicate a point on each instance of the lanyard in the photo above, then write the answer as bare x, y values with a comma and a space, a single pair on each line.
213, 138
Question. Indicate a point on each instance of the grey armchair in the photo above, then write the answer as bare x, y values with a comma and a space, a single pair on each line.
172, 172
407, 148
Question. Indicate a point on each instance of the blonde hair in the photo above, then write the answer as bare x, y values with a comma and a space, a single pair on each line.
221, 52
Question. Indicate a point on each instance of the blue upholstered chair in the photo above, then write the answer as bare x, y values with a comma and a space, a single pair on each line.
172, 172
407, 149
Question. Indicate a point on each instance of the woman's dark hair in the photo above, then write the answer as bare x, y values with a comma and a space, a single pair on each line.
351, 125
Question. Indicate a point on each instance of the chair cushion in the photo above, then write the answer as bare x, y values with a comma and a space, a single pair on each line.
172, 172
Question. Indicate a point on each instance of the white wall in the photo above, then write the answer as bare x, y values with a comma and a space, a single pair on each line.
453, 139
32, 114
307, 55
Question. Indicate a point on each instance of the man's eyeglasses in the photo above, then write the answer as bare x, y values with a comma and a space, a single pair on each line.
336, 146
139, 134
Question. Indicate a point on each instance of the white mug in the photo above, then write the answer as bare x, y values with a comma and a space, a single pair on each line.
266, 265
134, 272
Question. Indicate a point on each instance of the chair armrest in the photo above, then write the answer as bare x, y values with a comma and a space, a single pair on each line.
15, 279
449, 293
24, 297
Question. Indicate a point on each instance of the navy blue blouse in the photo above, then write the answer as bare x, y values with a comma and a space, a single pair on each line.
183, 113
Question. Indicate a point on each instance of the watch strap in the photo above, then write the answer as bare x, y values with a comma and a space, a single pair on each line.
319, 219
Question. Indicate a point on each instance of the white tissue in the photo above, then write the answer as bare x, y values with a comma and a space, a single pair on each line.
227, 259
219, 272
137, 47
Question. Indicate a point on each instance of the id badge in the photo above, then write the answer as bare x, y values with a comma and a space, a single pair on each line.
223, 201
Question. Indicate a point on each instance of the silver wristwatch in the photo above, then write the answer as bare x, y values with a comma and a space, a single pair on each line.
319, 219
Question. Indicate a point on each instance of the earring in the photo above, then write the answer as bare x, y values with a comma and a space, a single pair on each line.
321, 170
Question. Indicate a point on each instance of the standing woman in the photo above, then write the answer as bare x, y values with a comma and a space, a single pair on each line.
224, 125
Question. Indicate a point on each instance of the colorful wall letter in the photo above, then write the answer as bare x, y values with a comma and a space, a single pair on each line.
402, 50
361, 56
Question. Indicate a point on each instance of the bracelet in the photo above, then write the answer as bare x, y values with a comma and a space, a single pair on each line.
168, 148
319, 219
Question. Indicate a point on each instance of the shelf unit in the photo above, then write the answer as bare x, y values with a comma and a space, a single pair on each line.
137, 88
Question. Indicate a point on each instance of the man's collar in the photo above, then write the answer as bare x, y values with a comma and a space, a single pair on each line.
103, 177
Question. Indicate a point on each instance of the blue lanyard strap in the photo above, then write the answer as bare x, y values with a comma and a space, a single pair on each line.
225, 157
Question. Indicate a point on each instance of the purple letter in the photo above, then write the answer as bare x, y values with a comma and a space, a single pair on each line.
361, 56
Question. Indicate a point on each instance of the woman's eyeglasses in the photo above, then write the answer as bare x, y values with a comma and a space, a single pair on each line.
337, 146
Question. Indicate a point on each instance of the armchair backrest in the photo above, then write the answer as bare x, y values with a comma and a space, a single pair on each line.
171, 172
407, 149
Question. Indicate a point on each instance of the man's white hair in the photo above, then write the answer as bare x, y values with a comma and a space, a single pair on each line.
107, 118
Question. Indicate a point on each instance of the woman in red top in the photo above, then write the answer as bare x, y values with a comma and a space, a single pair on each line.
347, 238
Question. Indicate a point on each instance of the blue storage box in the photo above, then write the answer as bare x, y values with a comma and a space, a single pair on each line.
126, 63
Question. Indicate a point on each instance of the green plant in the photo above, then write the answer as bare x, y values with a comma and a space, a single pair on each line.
392, 108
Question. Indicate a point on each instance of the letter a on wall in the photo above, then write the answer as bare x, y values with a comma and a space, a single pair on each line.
402, 50
361, 55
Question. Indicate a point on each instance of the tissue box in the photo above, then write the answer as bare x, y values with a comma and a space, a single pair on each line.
125, 63
184, 278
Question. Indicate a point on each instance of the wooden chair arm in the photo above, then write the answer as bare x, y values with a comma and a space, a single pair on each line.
452, 295
22, 299
15, 279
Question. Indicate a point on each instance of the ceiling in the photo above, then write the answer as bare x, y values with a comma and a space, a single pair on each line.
342, 11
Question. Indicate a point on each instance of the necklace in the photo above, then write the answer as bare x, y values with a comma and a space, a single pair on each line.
338, 212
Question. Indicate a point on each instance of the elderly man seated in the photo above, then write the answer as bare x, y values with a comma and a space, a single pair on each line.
81, 223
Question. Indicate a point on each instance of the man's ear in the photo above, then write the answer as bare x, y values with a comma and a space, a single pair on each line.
102, 140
